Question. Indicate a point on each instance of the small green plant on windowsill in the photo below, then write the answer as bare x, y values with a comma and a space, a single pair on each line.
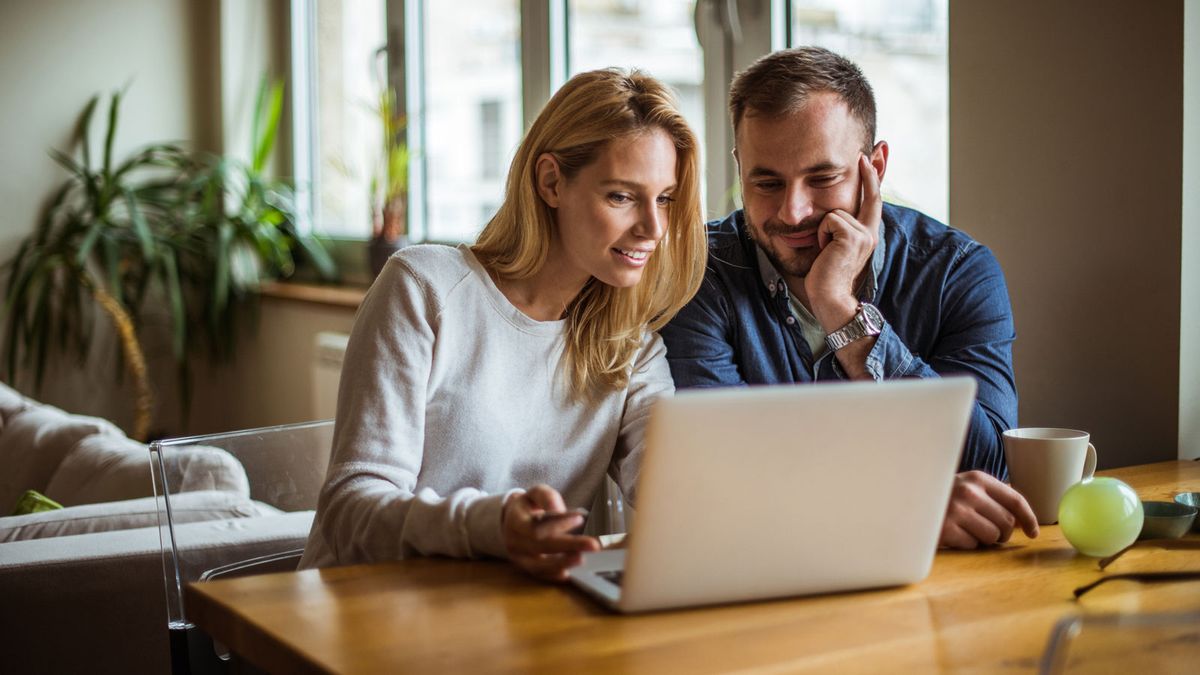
389, 185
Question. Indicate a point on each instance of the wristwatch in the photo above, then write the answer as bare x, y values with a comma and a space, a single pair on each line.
867, 321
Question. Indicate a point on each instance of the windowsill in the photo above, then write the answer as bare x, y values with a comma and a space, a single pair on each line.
349, 297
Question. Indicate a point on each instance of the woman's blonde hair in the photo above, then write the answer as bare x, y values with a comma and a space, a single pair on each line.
604, 325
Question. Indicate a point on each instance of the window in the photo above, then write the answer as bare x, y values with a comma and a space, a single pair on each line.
468, 101
346, 74
474, 74
656, 37
901, 46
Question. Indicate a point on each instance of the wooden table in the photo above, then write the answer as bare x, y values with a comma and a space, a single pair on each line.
991, 611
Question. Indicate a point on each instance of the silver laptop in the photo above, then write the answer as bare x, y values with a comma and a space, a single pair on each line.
765, 492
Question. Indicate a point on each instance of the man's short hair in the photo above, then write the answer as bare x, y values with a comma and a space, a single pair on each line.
781, 82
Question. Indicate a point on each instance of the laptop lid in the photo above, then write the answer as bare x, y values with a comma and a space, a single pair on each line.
761, 492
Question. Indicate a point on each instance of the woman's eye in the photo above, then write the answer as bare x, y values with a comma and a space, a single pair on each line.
665, 200
618, 198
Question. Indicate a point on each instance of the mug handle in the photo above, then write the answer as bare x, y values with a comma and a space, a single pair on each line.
1089, 464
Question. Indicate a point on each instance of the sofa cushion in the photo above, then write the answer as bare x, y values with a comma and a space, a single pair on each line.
187, 507
11, 403
105, 468
34, 442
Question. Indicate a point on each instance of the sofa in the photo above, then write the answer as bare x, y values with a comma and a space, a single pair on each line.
82, 587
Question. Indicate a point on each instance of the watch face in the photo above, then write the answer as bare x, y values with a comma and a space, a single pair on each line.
873, 318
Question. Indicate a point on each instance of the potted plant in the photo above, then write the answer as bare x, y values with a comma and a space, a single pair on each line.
192, 230
389, 186
95, 246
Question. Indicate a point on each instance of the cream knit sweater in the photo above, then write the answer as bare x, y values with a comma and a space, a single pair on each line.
450, 399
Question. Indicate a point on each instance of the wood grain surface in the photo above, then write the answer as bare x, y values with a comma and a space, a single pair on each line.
990, 610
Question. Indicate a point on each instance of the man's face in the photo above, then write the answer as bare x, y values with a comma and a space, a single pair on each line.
794, 169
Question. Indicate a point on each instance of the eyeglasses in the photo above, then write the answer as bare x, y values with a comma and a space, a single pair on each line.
1149, 577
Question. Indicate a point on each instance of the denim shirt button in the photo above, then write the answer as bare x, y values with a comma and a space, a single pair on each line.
791, 320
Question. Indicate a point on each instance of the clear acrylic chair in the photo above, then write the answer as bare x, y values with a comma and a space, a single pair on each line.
232, 504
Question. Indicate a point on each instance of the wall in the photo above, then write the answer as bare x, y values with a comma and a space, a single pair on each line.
271, 382
1065, 158
1189, 347
55, 55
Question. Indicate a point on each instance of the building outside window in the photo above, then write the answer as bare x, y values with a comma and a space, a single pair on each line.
464, 88
902, 48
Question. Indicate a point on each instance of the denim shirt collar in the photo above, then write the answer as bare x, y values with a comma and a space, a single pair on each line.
773, 280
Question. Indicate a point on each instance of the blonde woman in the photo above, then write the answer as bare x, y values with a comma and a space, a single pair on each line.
486, 387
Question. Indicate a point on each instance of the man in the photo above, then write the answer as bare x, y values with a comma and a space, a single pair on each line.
817, 279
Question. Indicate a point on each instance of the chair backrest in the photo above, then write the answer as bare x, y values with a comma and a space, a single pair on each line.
233, 504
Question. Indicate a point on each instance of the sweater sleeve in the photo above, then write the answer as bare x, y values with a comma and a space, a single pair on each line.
369, 508
650, 381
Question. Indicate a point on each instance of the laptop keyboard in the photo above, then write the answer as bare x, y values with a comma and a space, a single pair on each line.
615, 576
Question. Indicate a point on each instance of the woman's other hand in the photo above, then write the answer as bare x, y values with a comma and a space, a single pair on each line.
543, 546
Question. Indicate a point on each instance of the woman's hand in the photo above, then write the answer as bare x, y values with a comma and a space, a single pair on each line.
543, 547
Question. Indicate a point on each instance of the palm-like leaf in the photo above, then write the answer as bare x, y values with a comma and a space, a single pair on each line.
161, 218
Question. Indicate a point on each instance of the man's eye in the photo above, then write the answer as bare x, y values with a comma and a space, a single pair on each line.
768, 185
824, 181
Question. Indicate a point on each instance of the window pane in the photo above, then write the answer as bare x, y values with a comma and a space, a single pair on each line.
348, 130
901, 46
472, 112
658, 37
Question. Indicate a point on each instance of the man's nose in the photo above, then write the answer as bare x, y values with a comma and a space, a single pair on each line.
797, 205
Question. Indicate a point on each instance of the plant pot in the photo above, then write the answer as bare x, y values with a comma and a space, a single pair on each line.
379, 249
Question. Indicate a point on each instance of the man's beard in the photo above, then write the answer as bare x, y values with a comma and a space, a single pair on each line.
801, 262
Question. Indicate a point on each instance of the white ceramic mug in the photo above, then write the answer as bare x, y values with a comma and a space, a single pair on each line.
1044, 462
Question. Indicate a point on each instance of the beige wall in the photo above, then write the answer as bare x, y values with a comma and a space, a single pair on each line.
271, 381
1065, 158
55, 55
1189, 338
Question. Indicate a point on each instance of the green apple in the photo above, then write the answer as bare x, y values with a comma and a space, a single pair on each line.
1100, 516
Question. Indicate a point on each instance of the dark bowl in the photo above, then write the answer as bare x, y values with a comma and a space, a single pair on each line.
1190, 499
1167, 520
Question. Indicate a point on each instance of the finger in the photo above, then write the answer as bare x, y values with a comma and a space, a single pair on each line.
1012, 500
833, 226
870, 209
573, 543
545, 498
983, 530
954, 536
557, 527
988, 508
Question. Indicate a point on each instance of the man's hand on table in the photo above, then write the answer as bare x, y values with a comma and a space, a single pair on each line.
546, 548
983, 511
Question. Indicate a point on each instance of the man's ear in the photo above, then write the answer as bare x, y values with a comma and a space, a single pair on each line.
549, 179
879, 158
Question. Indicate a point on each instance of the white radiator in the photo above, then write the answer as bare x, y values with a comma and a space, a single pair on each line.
329, 348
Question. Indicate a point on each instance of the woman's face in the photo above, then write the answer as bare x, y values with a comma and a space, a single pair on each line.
612, 214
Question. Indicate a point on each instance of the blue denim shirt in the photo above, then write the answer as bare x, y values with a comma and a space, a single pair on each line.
943, 296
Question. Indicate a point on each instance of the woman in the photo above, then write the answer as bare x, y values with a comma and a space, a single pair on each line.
486, 388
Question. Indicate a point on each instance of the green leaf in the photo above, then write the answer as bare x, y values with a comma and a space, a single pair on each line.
114, 107
82, 131
170, 271
140, 227
267, 112
89, 241
221, 279
46, 222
